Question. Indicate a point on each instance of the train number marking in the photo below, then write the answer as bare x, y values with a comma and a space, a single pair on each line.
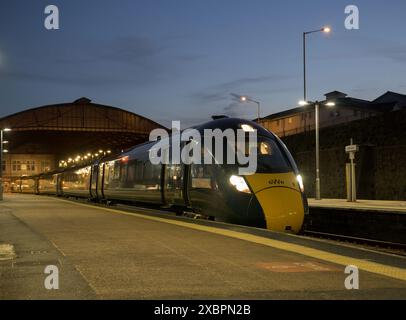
276, 182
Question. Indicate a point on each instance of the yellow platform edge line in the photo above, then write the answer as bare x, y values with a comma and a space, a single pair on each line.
373, 267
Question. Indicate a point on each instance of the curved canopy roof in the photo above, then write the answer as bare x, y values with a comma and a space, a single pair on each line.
75, 127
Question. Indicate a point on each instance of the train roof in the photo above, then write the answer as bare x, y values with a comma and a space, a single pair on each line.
231, 123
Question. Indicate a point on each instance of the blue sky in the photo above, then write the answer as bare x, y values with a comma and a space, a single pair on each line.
181, 59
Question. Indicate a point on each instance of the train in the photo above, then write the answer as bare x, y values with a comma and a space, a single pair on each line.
272, 198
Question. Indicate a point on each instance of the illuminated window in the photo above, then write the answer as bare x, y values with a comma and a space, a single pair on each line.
45, 166
16, 165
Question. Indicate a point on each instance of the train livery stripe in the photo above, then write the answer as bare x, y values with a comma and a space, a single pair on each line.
373, 267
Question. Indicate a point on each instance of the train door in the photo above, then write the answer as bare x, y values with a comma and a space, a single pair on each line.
36, 185
174, 184
100, 182
94, 192
58, 183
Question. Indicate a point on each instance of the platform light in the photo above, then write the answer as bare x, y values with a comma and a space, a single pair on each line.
303, 103
6, 129
330, 104
4, 142
240, 184
100, 151
5, 150
326, 29
108, 151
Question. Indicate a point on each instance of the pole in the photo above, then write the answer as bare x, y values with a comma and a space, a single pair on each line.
1, 165
316, 112
259, 112
304, 67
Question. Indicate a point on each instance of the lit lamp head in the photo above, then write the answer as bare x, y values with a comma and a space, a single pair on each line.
330, 104
303, 103
243, 98
326, 29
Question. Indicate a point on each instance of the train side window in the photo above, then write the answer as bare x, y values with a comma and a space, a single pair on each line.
174, 177
203, 177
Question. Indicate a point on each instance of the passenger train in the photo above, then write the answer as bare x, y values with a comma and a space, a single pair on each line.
273, 197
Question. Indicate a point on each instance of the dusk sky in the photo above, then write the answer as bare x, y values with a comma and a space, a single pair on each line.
181, 59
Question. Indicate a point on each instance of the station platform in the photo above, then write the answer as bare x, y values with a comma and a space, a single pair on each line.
363, 205
121, 252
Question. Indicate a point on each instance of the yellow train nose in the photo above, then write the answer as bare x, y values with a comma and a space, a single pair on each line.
281, 200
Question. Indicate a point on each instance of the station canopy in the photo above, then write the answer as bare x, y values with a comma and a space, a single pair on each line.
75, 128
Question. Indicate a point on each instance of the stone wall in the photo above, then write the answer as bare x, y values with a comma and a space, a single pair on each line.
380, 163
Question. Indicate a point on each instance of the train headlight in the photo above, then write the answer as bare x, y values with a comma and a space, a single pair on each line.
300, 181
240, 184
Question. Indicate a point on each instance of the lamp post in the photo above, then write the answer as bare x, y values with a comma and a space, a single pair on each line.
325, 30
246, 99
2, 150
316, 124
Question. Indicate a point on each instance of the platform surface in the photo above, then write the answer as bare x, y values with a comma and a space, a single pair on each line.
108, 253
365, 205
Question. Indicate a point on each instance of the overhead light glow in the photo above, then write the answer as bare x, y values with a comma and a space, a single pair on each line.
303, 103
300, 182
247, 128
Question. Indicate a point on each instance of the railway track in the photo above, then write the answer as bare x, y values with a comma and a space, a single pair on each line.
390, 247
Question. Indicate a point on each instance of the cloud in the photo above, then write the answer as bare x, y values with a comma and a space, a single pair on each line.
133, 60
132, 49
396, 53
222, 91
191, 57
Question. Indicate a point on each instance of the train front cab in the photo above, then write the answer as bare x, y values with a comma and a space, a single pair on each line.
278, 187
271, 198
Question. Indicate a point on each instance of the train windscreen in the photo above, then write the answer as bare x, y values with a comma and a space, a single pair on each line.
270, 157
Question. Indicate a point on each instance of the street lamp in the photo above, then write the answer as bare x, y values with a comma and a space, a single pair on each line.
325, 30
247, 99
316, 120
2, 150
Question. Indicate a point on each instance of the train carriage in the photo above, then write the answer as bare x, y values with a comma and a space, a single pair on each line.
273, 197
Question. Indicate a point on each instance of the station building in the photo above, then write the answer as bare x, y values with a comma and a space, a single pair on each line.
346, 109
47, 137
